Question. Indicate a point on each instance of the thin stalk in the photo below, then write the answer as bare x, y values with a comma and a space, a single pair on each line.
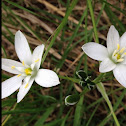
7, 118
99, 78
101, 86
101, 89
96, 80
93, 20
70, 79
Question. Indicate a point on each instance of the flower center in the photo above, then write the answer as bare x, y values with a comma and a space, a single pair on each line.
119, 54
28, 71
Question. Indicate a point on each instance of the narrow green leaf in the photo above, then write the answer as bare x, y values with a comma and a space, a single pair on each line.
101, 89
70, 42
42, 119
64, 120
93, 20
78, 112
92, 115
74, 2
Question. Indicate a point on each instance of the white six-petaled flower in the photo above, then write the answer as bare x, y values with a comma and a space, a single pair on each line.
27, 71
113, 57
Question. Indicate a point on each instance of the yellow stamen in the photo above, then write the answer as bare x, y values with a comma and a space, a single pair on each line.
26, 85
118, 56
123, 54
28, 71
23, 63
115, 52
12, 67
37, 60
120, 60
118, 46
18, 75
122, 50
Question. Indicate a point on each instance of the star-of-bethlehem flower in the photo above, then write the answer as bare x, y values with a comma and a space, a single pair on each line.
27, 71
113, 57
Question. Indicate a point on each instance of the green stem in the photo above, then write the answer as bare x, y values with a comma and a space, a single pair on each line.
100, 86
93, 20
70, 79
9, 115
101, 89
98, 79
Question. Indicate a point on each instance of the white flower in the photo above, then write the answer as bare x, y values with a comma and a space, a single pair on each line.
27, 71
113, 57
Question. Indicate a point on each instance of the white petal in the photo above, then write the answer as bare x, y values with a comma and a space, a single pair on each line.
8, 63
24, 89
11, 85
95, 51
106, 65
123, 40
21, 69
112, 39
37, 55
124, 62
47, 78
22, 48
120, 74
